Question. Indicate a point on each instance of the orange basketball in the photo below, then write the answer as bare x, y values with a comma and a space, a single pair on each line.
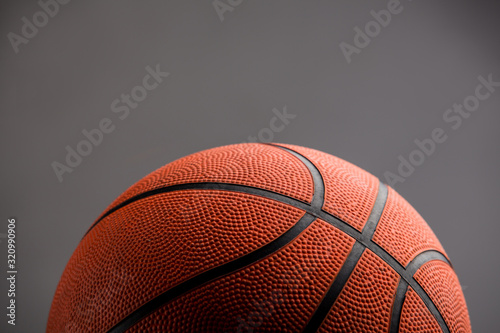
259, 238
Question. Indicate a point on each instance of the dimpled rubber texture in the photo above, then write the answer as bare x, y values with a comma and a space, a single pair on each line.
350, 190
257, 251
415, 317
449, 301
156, 243
403, 232
255, 165
364, 305
298, 276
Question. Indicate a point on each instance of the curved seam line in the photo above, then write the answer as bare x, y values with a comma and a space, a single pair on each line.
416, 263
397, 305
308, 208
240, 263
213, 274
341, 279
239, 188
319, 213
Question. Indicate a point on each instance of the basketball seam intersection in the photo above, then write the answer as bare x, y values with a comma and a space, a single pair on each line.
312, 210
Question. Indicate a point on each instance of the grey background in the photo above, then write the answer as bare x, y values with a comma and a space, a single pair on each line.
225, 78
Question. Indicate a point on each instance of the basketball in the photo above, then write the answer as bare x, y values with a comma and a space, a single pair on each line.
258, 237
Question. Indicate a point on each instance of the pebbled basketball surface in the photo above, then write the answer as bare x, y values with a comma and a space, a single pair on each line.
259, 238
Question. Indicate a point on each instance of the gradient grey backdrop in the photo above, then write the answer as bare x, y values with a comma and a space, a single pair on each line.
225, 78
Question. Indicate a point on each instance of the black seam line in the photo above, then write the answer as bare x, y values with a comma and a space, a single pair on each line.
431, 306
335, 289
206, 186
339, 224
212, 274
376, 213
314, 211
400, 296
397, 306
350, 263
408, 278
317, 199
237, 264
346, 228
423, 258
319, 189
